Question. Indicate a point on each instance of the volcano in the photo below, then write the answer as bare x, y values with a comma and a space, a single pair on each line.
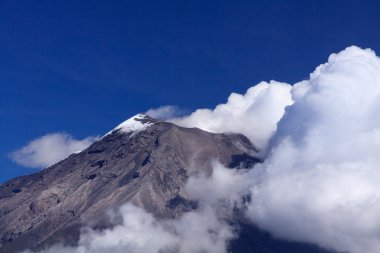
142, 161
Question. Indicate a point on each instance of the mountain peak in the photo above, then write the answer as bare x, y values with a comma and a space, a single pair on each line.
135, 124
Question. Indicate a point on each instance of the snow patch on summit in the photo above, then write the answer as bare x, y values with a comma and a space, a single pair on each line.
135, 124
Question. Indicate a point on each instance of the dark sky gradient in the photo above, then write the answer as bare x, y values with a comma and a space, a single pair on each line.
85, 66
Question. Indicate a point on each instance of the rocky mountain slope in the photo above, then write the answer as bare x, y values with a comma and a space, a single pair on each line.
142, 161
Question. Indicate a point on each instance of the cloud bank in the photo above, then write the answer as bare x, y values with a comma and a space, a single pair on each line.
49, 149
320, 183
194, 232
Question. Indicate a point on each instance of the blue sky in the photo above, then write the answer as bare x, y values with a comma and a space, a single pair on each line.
84, 66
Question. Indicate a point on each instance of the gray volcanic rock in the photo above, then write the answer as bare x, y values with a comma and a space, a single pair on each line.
142, 161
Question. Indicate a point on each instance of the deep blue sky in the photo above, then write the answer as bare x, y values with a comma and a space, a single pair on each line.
85, 66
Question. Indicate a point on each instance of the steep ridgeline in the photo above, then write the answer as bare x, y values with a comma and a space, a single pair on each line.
142, 161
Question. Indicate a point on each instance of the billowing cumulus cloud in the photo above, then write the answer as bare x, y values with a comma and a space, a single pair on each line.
49, 149
254, 114
320, 183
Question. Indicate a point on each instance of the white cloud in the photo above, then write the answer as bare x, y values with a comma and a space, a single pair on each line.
320, 183
49, 149
165, 112
223, 185
254, 114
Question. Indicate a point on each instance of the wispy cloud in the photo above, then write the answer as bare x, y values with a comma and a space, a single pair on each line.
49, 149
165, 112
